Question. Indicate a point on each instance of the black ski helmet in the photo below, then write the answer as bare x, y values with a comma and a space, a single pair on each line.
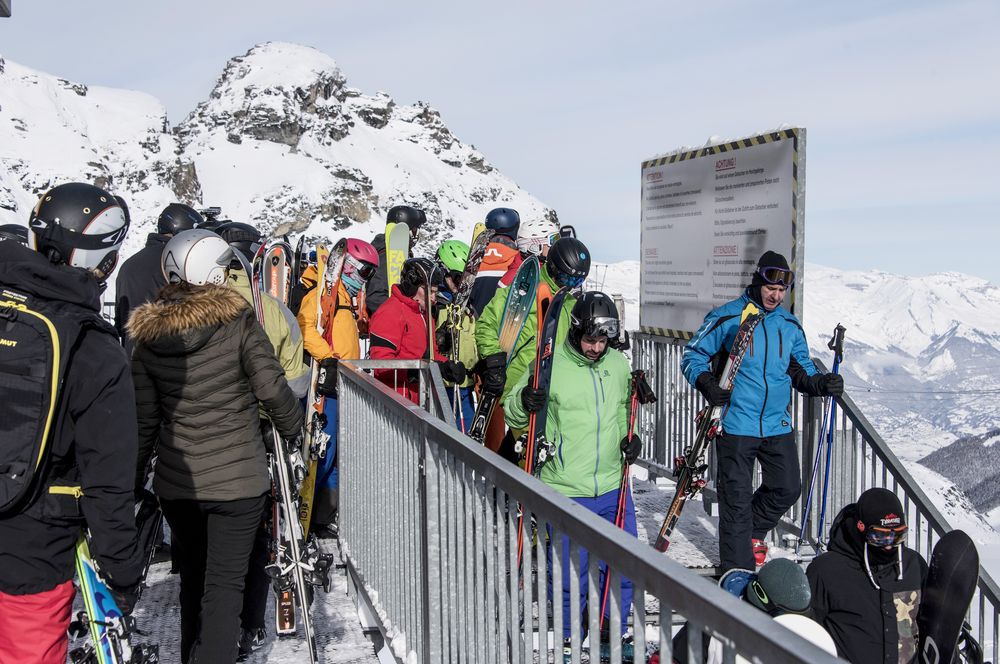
419, 272
503, 221
244, 238
593, 315
568, 262
15, 232
79, 225
405, 214
178, 217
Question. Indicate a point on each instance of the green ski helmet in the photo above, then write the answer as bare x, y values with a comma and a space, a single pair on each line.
454, 254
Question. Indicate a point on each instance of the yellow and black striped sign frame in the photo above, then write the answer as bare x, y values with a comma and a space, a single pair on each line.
797, 136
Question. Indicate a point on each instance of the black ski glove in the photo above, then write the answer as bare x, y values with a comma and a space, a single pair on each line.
493, 369
631, 448
452, 372
831, 384
443, 339
709, 388
533, 399
326, 378
125, 597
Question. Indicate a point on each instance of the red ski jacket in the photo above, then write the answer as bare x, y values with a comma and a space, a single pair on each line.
398, 331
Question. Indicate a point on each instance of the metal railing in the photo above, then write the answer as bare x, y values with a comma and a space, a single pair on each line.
429, 533
861, 460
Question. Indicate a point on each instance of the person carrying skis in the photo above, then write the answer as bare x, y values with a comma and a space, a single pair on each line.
500, 254
567, 266
340, 341
756, 424
588, 413
140, 277
457, 327
399, 329
283, 332
866, 588
90, 449
203, 368
378, 286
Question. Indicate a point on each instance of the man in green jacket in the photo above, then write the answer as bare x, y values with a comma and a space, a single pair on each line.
587, 423
567, 265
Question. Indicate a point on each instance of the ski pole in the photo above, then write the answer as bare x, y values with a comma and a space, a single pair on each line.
820, 440
641, 393
837, 346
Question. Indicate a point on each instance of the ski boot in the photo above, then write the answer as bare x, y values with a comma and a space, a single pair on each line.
250, 641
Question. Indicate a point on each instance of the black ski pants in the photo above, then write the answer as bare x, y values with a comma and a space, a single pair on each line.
745, 514
258, 582
212, 545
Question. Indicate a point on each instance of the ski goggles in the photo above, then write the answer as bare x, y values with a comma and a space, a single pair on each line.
362, 269
603, 327
776, 276
883, 537
567, 280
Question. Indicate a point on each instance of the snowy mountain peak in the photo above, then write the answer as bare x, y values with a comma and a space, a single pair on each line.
281, 142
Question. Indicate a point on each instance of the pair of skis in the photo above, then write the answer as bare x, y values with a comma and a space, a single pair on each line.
521, 294
293, 557
689, 468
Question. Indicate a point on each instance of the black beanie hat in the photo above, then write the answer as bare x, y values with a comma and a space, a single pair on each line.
780, 587
768, 259
879, 508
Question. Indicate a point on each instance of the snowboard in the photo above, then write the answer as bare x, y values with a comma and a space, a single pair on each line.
110, 631
690, 467
476, 253
951, 582
397, 250
520, 297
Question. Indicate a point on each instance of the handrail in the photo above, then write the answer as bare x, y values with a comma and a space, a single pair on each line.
861, 459
429, 531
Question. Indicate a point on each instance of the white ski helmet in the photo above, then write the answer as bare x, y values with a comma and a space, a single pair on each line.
198, 257
533, 236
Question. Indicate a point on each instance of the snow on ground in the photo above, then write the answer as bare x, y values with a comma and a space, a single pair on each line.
339, 639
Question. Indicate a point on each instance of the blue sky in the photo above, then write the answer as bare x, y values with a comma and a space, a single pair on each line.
901, 99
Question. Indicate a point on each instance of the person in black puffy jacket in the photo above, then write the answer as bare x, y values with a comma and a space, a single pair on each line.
202, 368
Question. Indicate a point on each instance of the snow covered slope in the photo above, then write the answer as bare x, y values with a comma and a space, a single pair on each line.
282, 142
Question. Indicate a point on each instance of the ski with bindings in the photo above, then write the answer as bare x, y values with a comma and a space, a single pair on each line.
476, 253
315, 439
639, 394
277, 270
533, 448
397, 250
951, 582
520, 296
110, 631
691, 466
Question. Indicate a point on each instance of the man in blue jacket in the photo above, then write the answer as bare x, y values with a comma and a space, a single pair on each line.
757, 420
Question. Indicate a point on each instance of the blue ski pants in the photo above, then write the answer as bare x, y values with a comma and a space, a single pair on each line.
468, 411
605, 506
326, 468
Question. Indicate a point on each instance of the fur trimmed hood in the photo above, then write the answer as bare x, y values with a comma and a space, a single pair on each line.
182, 310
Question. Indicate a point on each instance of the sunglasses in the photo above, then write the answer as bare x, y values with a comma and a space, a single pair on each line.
883, 537
776, 276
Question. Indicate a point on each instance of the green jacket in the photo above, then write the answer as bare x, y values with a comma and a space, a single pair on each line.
467, 353
523, 356
587, 419
282, 330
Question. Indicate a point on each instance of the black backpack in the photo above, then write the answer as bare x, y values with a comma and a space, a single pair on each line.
37, 338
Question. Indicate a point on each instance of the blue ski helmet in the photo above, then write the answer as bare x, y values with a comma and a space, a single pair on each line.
503, 221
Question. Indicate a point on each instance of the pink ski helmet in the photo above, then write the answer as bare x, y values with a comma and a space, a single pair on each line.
360, 264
